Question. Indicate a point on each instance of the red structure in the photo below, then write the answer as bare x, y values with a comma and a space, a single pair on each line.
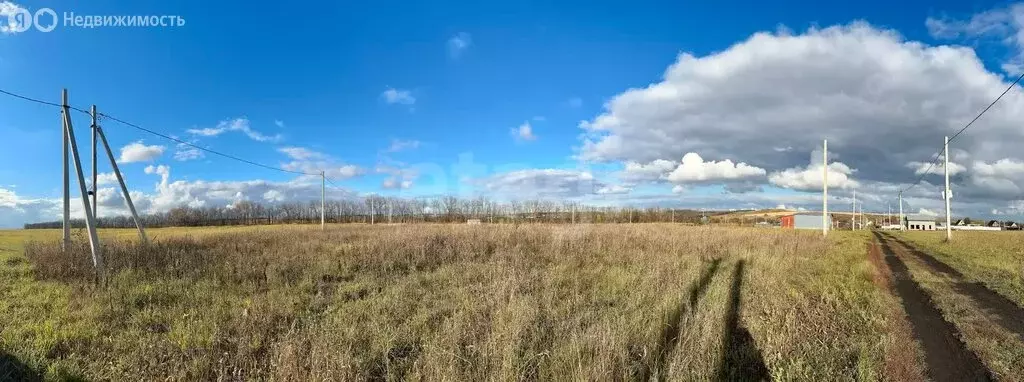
788, 221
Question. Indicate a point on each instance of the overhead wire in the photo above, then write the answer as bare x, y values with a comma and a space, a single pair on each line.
186, 143
135, 126
969, 124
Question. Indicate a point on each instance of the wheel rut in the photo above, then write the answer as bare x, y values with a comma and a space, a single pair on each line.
947, 358
1003, 311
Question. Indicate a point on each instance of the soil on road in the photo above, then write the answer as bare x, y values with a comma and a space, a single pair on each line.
947, 358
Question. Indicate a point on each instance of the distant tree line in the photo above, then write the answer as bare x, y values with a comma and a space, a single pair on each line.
377, 209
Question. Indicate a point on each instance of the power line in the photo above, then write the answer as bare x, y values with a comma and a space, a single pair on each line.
29, 98
983, 111
330, 181
132, 125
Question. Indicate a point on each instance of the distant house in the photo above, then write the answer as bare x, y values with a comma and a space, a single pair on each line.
804, 221
994, 223
1011, 226
473, 221
919, 222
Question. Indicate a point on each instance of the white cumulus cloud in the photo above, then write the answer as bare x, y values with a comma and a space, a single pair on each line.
458, 44
693, 168
139, 152
398, 96
8, 12
237, 124
921, 168
524, 132
810, 178
881, 101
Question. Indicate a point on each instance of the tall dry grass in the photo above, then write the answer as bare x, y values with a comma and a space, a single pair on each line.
443, 302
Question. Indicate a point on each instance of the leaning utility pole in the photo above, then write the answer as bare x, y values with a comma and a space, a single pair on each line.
824, 189
947, 194
90, 225
124, 188
323, 204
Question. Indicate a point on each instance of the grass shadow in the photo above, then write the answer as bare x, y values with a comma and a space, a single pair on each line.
741, 359
698, 289
12, 369
670, 331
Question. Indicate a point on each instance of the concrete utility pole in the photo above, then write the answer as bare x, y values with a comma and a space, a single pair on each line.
124, 188
372, 202
853, 219
574, 213
66, 238
901, 210
323, 203
389, 211
90, 224
947, 194
92, 113
824, 189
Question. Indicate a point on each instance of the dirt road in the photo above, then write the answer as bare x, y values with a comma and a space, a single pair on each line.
1005, 312
947, 358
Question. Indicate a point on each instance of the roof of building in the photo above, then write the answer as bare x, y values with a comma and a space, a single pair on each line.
921, 218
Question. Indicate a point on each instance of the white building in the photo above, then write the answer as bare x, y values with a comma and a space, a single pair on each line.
919, 222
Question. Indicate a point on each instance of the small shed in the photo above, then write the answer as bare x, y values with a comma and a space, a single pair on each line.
804, 221
919, 222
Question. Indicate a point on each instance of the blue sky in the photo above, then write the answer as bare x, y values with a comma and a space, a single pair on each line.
462, 76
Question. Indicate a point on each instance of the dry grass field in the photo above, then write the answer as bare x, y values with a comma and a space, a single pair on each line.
993, 258
445, 302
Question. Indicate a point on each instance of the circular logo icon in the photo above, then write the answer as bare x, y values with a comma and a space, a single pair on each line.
19, 21
43, 27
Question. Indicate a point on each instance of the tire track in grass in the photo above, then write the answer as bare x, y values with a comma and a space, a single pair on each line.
1004, 312
901, 350
946, 356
